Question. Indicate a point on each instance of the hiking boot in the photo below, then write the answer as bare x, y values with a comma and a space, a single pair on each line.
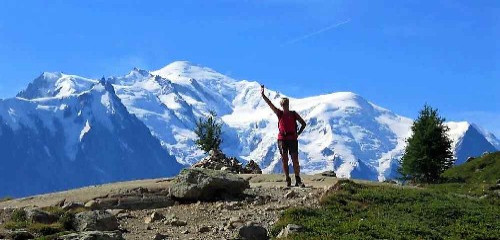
288, 181
298, 182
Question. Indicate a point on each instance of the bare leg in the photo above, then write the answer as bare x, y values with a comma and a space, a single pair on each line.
296, 166
284, 159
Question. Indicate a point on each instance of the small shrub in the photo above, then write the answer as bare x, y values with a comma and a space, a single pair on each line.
18, 215
13, 225
66, 220
209, 133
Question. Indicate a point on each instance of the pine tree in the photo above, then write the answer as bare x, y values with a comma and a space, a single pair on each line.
209, 132
428, 151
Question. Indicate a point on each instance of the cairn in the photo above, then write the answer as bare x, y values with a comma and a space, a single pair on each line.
217, 160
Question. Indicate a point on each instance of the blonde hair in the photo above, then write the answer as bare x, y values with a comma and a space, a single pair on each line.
284, 100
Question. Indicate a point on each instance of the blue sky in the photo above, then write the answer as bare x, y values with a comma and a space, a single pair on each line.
397, 54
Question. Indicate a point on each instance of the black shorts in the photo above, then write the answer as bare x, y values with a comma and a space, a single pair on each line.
288, 146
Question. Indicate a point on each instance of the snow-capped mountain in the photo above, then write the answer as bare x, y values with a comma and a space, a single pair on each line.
469, 140
75, 137
345, 132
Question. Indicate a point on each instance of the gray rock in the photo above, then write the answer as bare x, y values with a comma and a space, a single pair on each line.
329, 174
72, 205
235, 222
146, 201
115, 212
39, 216
232, 205
204, 229
159, 236
253, 232
60, 203
290, 229
132, 201
91, 204
206, 184
156, 216
177, 223
252, 168
290, 194
98, 220
124, 215
93, 235
20, 235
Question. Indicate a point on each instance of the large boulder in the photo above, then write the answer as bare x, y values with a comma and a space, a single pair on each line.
93, 235
205, 184
39, 216
98, 220
253, 232
216, 160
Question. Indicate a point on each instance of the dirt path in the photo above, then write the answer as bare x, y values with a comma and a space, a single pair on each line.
266, 199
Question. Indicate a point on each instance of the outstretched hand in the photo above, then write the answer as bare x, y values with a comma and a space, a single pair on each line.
262, 89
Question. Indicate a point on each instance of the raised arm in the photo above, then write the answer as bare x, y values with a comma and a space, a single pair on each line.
302, 124
271, 105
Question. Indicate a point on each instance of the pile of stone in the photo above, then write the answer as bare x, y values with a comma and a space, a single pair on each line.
217, 160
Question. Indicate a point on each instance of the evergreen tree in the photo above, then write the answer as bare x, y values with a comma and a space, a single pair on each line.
428, 151
208, 131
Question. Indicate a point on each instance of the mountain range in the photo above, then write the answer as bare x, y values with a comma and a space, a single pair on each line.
65, 131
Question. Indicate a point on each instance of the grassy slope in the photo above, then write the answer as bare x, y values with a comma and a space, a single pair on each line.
442, 211
477, 178
485, 169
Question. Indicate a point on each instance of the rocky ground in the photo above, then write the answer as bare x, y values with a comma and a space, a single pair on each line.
142, 213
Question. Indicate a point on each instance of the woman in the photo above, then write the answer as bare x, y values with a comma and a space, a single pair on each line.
287, 136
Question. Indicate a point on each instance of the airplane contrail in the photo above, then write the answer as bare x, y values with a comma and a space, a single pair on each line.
316, 32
